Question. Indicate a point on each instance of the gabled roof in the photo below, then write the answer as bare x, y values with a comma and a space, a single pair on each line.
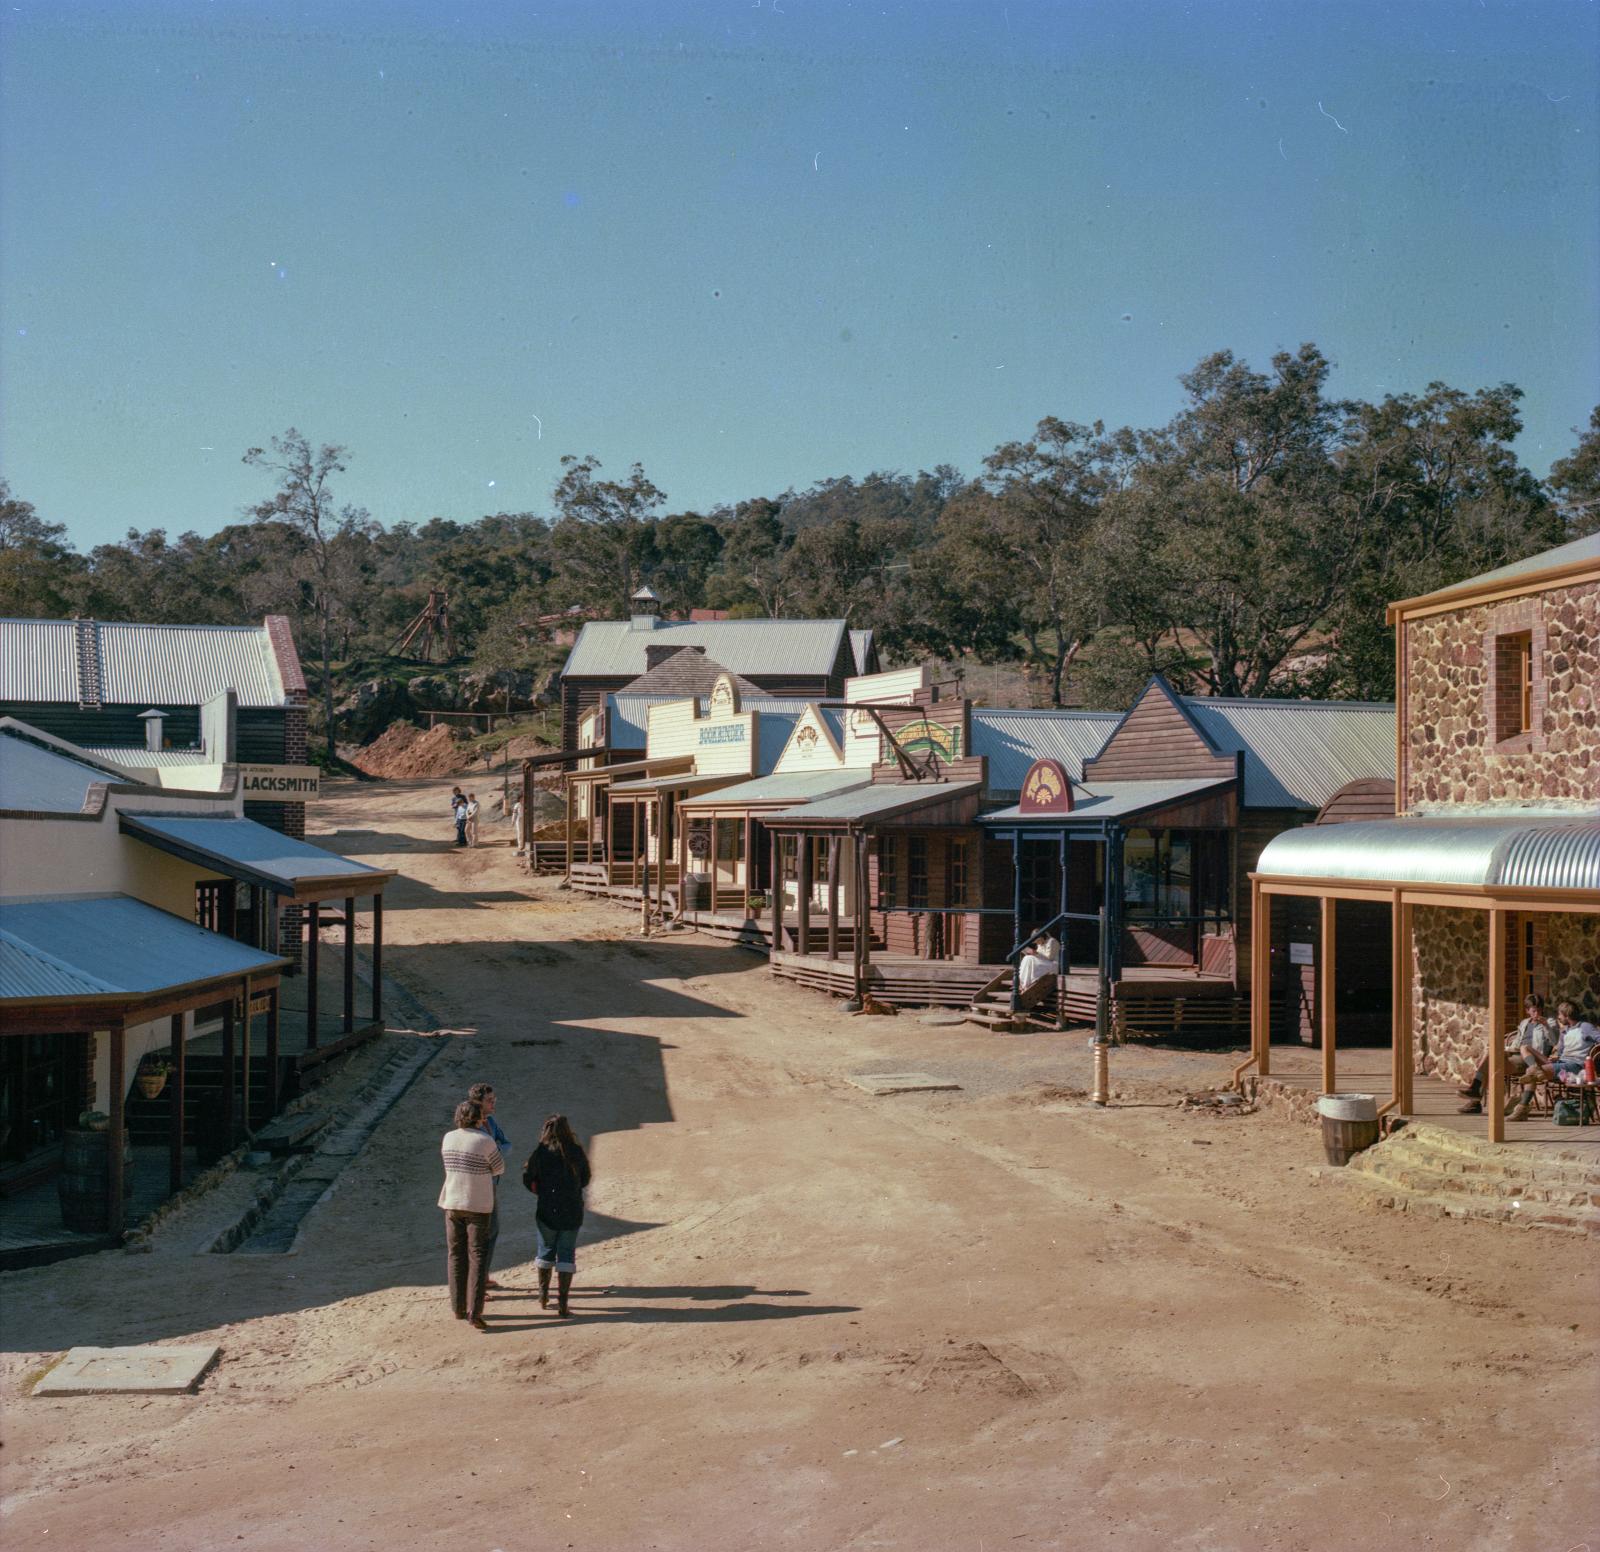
687, 672
144, 665
862, 650
607, 648
1013, 739
110, 948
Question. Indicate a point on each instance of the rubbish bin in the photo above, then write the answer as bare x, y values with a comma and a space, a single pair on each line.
1349, 1124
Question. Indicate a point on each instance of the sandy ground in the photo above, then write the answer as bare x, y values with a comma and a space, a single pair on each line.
806, 1318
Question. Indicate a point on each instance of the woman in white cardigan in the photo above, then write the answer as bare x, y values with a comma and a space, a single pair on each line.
472, 1163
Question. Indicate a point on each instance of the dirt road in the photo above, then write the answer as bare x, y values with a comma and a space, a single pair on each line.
807, 1318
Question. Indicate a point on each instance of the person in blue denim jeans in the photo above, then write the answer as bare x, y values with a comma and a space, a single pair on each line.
557, 1172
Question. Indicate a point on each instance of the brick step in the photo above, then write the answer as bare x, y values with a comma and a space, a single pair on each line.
1465, 1152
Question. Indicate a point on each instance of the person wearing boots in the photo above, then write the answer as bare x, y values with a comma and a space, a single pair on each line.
471, 1162
1575, 1038
1532, 1040
557, 1172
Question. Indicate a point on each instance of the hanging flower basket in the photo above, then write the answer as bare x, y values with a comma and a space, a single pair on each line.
151, 1078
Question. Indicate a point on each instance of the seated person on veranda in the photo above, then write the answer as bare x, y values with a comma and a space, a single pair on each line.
1576, 1039
1534, 1037
1042, 958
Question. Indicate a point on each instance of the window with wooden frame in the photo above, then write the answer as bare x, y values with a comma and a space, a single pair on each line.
789, 855
1513, 685
889, 871
956, 876
917, 872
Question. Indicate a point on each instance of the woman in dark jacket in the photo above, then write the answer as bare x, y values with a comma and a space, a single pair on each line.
557, 1172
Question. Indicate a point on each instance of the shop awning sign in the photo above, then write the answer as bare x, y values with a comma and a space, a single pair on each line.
280, 783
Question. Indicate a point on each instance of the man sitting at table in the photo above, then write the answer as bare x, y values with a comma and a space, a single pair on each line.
1576, 1039
1532, 1039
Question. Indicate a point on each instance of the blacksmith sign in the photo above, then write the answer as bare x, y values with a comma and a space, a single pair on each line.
1046, 789
279, 783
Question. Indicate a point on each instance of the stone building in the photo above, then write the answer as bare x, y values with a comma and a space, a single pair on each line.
1490, 868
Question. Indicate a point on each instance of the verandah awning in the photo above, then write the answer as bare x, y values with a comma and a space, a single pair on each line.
112, 952
881, 800
256, 854
1121, 800
791, 787
1494, 853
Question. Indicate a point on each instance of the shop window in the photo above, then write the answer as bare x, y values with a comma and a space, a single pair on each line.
1513, 685
730, 835
917, 872
956, 872
789, 855
1158, 875
889, 871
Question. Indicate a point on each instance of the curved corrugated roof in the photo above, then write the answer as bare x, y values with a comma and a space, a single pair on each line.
1520, 851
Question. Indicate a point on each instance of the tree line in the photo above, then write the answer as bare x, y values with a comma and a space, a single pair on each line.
1247, 547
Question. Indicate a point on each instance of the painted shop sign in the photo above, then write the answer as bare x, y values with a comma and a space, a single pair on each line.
1302, 954
1046, 789
722, 733
926, 737
280, 783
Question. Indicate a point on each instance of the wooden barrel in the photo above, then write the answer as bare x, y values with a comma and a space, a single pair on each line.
82, 1183
1342, 1140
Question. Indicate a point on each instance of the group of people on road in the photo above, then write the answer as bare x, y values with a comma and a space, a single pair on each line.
464, 811
1540, 1050
557, 1173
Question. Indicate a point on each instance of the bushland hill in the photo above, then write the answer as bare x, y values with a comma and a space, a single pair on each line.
1246, 547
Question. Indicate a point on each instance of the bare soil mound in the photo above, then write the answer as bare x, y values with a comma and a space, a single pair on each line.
404, 749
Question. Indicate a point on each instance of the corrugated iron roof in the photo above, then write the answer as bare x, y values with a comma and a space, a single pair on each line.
1113, 800
795, 787
1011, 740
243, 848
37, 779
1524, 851
109, 945
1299, 753
877, 801
861, 649
140, 665
185, 665
38, 660
1586, 548
605, 648
133, 757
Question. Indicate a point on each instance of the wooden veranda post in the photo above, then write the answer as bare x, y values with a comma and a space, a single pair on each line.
1398, 1045
274, 1008
229, 1076
863, 947
377, 958
119, 1094
175, 1133
1496, 1096
349, 966
313, 964
1408, 1060
777, 892
570, 793
833, 897
1261, 976
803, 893
244, 1052
1325, 984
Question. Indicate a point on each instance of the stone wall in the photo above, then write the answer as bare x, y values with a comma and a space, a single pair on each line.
1573, 962
1454, 752
1449, 989
1450, 982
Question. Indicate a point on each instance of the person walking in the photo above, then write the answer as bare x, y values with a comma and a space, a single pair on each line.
458, 812
472, 819
482, 1095
517, 827
471, 1164
557, 1172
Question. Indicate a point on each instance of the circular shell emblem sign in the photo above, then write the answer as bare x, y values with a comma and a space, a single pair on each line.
1046, 789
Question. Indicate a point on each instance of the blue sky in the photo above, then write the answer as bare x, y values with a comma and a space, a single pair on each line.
754, 244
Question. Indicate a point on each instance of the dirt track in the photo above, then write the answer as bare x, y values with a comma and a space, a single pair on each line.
1128, 1329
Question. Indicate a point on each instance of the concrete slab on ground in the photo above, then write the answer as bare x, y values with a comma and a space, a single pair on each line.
880, 1083
104, 1371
